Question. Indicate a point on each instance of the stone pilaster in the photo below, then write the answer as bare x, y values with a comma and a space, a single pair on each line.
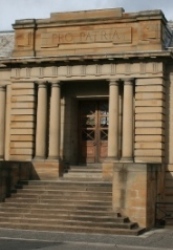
41, 125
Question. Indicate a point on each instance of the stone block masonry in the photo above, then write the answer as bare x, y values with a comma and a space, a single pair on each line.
135, 191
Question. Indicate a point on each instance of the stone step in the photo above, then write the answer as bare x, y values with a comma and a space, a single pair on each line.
66, 196
79, 178
54, 206
62, 182
84, 217
84, 170
57, 210
72, 228
69, 221
86, 167
82, 175
62, 200
80, 186
33, 188
60, 192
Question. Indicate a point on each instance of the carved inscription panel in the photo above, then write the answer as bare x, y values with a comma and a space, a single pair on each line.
101, 35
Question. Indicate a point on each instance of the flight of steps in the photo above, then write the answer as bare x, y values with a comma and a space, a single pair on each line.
65, 205
91, 172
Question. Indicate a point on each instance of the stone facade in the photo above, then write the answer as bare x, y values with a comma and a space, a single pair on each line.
119, 67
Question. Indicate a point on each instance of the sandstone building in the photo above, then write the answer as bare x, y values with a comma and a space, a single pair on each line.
91, 87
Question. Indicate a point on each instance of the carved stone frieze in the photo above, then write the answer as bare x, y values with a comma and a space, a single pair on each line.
96, 71
142, 68
113, 69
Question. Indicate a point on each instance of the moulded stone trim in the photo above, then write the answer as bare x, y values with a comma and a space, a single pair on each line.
149, 131
18, 144
23, 85
22, 118
148, 145
22, 138
149, 159
149, 152
24, 131
25, 124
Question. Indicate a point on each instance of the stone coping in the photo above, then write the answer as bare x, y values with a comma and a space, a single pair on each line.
86, 16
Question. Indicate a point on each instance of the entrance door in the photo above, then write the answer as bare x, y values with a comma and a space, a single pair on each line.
93, 131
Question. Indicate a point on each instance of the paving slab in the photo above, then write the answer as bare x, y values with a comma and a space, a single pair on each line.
154, 239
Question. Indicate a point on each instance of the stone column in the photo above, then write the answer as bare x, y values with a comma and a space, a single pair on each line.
54, 127
113, 119
2, 121
41, 125
127, 132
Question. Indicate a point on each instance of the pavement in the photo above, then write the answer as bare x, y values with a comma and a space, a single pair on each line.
160, 239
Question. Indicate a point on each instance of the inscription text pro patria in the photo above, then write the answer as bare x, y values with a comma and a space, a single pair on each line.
114, 35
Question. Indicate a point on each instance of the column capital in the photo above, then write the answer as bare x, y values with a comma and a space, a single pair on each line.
114, 81
128, 81
55, 83
41, 83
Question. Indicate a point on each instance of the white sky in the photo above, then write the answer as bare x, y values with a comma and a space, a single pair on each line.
11, 10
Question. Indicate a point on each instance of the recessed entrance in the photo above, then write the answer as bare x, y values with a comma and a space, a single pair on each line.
93, 131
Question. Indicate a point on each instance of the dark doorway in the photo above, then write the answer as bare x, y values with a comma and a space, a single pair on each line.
93, 130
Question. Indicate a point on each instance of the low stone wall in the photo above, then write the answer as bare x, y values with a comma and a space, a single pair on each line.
11, 174
135, 191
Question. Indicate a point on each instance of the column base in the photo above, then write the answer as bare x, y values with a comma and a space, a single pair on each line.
53, 158
126, 159
39, 158
112, 159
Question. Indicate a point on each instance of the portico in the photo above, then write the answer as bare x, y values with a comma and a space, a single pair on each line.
48, 139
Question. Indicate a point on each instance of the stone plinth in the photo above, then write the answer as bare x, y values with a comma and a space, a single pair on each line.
135, 192
46, 169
